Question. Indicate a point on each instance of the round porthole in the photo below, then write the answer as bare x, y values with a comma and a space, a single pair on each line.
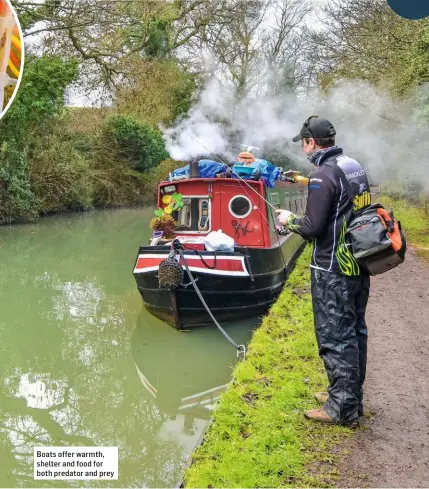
240, 206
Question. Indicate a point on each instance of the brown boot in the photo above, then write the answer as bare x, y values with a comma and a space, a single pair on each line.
322, 397
318, 415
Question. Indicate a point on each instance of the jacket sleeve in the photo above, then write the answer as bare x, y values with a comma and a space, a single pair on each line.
320, 200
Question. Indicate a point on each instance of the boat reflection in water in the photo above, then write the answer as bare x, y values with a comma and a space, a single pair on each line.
185, 373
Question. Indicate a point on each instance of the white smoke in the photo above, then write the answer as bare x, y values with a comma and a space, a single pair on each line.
378, 131
381, 133
220, 121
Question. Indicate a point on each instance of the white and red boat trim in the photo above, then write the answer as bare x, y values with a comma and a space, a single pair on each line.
224, 265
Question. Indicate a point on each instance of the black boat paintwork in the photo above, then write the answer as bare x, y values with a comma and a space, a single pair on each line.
230, 298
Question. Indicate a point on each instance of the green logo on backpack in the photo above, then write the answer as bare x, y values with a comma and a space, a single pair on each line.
347, 262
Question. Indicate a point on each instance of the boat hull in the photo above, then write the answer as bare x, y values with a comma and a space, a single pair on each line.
242, 284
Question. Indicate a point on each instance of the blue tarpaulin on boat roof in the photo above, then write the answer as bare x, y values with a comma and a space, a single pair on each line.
210, 168
269, 172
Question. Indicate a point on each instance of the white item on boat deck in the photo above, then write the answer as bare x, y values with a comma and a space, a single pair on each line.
218, 241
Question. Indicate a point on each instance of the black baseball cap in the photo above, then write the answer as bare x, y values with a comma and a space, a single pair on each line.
316, 127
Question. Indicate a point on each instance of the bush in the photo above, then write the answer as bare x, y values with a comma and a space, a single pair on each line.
394, 190
40, 99
116, 184
151, 180
410, 190
61, 178
16, 199
140, 143
157, 91
413, 191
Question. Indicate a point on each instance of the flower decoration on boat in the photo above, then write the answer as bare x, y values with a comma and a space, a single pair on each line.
165, 223
176, 201
172, 203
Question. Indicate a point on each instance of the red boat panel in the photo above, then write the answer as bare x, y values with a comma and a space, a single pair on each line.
250, 230
223, 265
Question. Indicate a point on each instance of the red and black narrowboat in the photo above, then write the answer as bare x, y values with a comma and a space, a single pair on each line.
238, 283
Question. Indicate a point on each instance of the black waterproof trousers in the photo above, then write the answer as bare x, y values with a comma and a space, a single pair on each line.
339, 304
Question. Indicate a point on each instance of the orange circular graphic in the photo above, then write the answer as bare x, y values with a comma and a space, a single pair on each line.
11, 55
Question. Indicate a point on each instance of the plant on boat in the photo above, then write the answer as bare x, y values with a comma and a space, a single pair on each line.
164, 223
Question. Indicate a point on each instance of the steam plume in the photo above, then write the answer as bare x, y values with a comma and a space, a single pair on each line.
381, 133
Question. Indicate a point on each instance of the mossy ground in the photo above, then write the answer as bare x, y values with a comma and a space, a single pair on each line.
259, 437
414, 221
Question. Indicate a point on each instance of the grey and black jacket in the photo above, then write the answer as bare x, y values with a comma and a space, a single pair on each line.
330, 210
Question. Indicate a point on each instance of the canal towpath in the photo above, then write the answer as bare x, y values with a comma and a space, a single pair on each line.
393, 448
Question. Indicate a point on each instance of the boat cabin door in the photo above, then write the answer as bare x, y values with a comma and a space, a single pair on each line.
241, 216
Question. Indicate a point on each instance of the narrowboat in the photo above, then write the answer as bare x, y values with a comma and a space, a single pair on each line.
237, 281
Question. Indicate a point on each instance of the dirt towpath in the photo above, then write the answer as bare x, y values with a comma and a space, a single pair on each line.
393, 449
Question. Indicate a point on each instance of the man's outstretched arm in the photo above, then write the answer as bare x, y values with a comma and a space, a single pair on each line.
321, 195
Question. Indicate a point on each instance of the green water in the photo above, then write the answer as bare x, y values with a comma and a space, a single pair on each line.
83, 363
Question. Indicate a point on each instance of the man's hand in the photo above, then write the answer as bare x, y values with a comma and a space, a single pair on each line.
294, 176
291, 173
283, 216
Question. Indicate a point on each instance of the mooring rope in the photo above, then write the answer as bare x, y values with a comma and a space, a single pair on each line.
241, 349
201, 257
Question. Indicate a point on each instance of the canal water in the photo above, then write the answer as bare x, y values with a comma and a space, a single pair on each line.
83, 363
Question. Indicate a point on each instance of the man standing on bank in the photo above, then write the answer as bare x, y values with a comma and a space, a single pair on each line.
339, 288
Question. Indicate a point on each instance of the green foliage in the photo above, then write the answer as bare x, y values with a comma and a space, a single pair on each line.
413, 191
410, 190
40, 12
40, 97
39, 100
366, 40
394, 190
413, 69
414, 220
151, 179
259, 437
182, 95
61, 177
158, 42
135, 141
16, 198
158, 92
421, 107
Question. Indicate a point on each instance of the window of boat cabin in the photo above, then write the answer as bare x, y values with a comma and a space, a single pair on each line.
194, 216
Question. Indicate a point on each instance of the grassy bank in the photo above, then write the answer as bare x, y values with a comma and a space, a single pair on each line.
259, 437
415, 223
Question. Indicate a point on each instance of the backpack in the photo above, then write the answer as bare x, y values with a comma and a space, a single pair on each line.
375, 236
376, 239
